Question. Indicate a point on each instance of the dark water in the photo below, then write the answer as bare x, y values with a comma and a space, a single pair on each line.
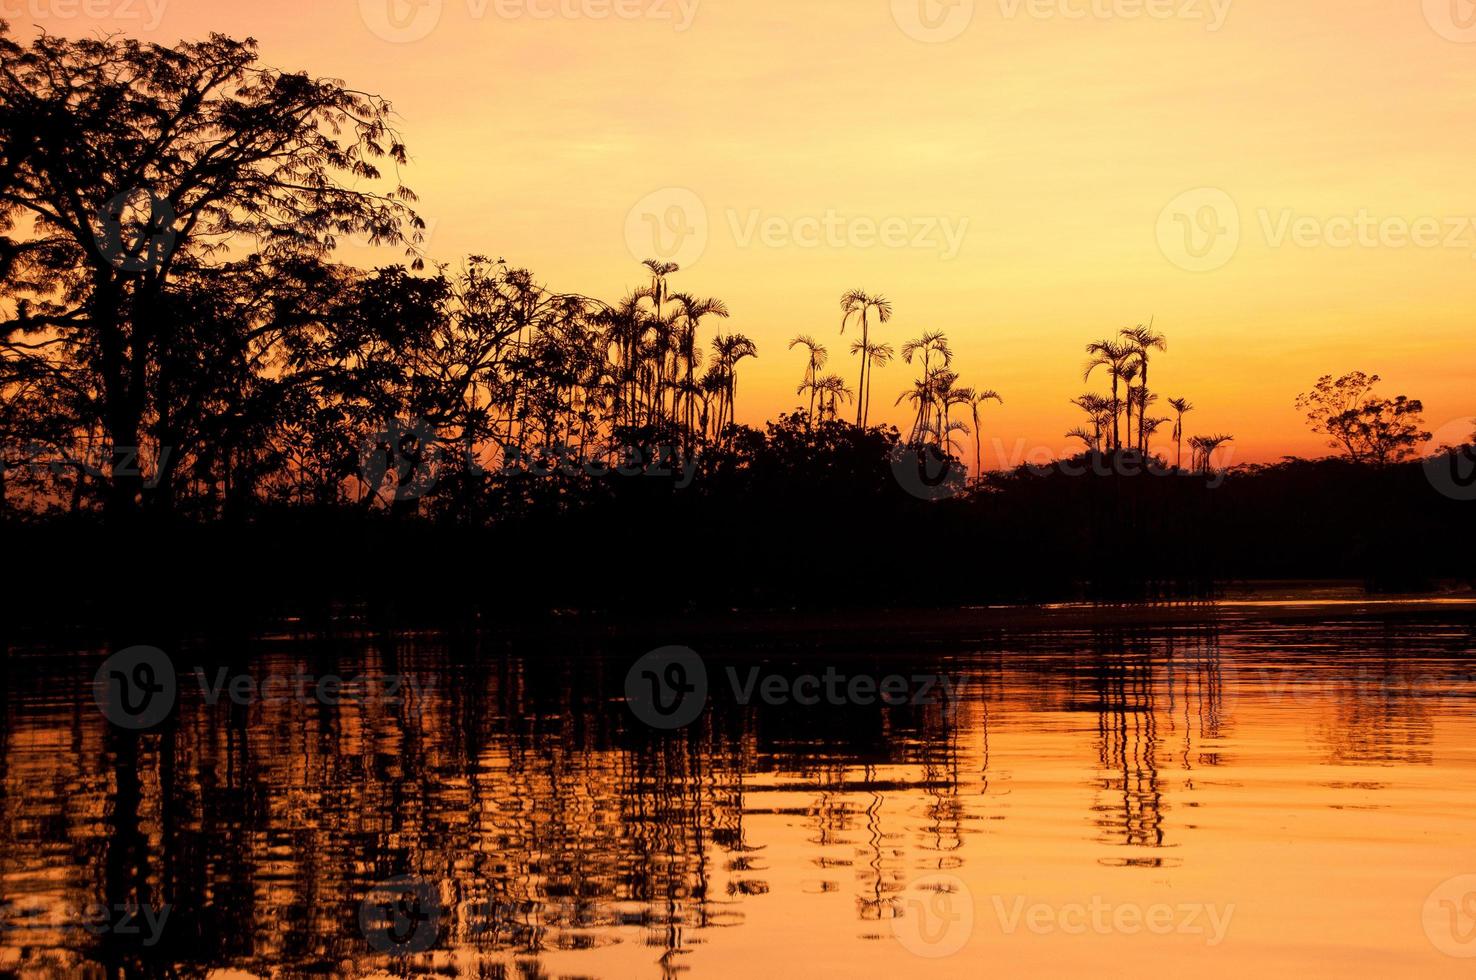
1219, 796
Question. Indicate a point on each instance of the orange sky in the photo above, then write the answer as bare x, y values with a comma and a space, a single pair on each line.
1057, 139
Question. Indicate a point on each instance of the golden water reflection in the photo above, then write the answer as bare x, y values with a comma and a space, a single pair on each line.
1304, 786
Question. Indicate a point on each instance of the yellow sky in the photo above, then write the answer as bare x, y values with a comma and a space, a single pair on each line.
1074, 144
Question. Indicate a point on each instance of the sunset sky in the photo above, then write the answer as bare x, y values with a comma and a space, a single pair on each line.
1070, 146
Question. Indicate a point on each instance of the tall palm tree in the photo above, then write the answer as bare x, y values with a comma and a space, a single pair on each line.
977, 399
818, 356
1144, 341
874, 355
1115, 357
859, 305
1204, 448
730, 350
690, 312
1181, 406
930, 346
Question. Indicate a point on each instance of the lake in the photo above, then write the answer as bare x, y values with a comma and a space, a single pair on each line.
1220, 790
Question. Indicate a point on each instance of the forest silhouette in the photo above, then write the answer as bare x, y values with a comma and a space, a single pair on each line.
197, 394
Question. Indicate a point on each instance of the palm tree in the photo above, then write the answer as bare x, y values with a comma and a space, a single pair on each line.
1181, 406
1144, 340
690, 312
1088, 439
1097, 410
931, 344
860, 305
1115, 357
730, 350
949, 396
874, 355
976, 399
1148, 427
1130, 395
834, 386
1204, 448
818, 356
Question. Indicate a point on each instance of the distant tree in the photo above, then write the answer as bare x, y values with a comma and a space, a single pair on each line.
860, 306
1368, 429
1181, 407
1144, 342
815, 361
1204, 450
976, 401
1118, 358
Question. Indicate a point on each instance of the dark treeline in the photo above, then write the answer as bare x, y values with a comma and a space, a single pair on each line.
199, 402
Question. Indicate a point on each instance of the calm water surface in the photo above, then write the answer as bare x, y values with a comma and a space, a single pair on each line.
1247, 793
